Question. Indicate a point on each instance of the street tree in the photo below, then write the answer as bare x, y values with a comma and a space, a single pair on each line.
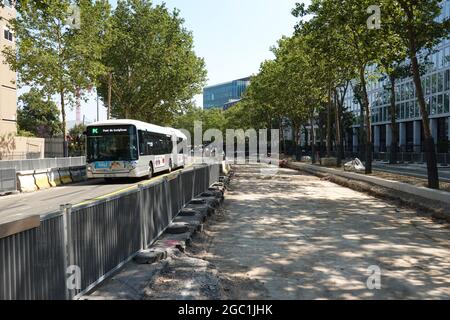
344, 25
419, 27
54, 53
153, 71
38, 115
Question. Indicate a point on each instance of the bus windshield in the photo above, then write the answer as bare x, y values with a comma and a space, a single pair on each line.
112, 143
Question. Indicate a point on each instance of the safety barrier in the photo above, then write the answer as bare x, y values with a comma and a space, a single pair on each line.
33, 180
78, 174
41, 179
54, 178
65, 175
76, 248
26, 181
8, 182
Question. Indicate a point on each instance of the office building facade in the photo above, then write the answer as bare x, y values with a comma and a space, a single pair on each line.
220, 96
8, 89
436, 86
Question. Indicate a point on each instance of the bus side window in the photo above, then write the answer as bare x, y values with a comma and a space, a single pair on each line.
142, 143
180, 146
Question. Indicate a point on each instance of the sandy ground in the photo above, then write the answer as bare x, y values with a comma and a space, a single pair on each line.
294, 236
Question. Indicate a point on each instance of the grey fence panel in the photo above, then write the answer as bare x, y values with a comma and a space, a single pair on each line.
103, 236
100, 238
214, 173
160, 208
148, 210
200, 180
40, 164
187, 181
8, 181
175, 196
32, 263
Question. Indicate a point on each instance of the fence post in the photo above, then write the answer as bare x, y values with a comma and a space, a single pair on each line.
66, 210
143, 218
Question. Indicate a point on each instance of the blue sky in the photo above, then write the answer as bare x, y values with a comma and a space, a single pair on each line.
233, 36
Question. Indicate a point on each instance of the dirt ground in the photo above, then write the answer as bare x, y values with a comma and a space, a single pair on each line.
294, 236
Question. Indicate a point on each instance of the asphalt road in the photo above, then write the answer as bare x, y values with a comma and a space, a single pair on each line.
18, 206
418, 171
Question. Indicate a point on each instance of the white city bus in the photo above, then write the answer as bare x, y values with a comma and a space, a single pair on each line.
129, 148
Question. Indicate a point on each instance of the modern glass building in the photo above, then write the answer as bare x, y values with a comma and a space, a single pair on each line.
436, 85
218, 96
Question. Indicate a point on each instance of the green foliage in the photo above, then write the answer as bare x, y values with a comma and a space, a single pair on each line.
24, 133
210, 119
54, 57
38, 115
77, 141
155, 71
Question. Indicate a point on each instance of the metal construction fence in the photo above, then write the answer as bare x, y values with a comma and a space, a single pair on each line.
8, 180
42, 164
76, 248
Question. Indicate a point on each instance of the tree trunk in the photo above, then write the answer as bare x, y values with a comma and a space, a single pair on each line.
430, 150
109, 95
338, 132
63, 116
329, 124
282, 137
392, 110
313, 144
369, 149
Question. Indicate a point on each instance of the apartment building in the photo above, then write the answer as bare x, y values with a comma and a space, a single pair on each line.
8, 89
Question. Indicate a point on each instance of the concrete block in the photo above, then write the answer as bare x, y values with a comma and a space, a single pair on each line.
195, 223
217, 189
189, 212
150, 256
177, 241
202, 208
177, 228
41, 179
211, 200
26, 181
226, 168
53, 177
66, 178
328, 162
76, 174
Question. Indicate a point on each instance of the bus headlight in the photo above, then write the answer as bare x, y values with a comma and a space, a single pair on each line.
133, 165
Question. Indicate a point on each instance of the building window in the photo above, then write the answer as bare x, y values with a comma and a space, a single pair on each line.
446, 103
7, 34
440, 81
447, 80
440, 104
